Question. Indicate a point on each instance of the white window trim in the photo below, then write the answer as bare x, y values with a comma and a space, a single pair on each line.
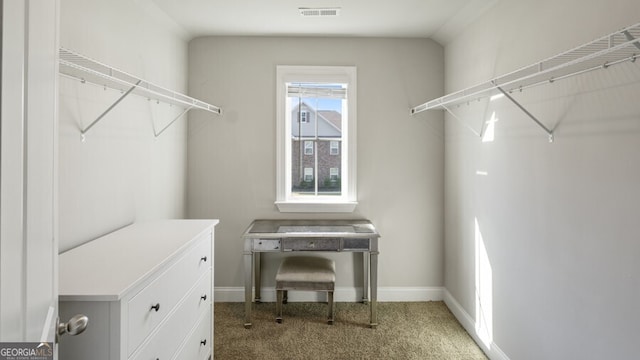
331, 148
308, 147
308, 173
329, 74
333, 176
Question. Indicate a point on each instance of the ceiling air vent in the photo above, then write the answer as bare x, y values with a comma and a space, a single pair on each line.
319, 12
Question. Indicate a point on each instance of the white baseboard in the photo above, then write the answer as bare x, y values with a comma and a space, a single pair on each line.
341, 294
492, 350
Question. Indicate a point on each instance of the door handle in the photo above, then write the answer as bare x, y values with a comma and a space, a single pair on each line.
75, 326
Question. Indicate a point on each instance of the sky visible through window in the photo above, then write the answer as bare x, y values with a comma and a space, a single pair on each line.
327, 104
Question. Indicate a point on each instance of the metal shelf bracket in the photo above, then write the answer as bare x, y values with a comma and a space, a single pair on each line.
171, 122
85, 130
478, 134
630, 37
506, 94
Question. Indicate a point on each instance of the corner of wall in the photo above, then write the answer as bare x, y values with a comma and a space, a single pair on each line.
491, 350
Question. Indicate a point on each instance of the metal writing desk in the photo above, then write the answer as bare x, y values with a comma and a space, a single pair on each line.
311, 235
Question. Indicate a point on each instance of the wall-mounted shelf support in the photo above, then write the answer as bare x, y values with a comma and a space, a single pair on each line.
478, 134
85, 130
630, 37
616, 48
506, 94
85, 69
171, 122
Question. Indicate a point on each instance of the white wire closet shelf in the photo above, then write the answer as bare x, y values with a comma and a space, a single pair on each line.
88, 70
615, 48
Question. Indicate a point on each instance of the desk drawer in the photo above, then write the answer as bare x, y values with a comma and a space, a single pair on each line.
311, 244
356, 244
266, 244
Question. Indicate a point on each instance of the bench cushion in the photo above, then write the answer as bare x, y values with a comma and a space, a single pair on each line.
306, 273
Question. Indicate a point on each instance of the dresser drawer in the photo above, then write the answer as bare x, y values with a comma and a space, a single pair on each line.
199, 344
153, 303
311, 244
166, 341
266, 244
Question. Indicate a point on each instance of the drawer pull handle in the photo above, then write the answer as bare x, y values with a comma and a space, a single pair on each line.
155, 307
203, 342
203, 297
204, 258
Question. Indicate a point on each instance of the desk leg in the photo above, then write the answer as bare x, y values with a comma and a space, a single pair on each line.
258, 276
365, 277
248, 273
374, 290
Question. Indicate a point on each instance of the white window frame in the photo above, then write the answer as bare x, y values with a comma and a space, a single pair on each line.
307, 147
334, 174
308, 174
285, 200
336, 147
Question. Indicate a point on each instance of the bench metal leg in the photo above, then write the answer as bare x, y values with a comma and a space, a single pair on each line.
279, 306
331, 316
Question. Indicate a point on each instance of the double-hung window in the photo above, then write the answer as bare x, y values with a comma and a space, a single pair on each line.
304, 116
316, 143
308, 175
308, 147
334, 148
333, 174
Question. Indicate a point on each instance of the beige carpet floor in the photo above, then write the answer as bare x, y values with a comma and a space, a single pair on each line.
406, 330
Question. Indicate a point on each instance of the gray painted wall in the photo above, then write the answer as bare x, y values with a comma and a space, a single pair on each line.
554, 256
232, 159
121, 173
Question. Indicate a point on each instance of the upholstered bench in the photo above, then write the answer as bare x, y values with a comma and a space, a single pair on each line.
305, 273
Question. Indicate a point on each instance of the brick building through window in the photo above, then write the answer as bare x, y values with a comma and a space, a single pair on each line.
315, 138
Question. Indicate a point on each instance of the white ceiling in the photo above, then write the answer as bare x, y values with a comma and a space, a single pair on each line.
437, 19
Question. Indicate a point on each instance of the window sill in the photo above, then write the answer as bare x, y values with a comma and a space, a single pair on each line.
316, 207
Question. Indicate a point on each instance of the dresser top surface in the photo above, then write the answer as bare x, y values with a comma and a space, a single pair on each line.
106, 268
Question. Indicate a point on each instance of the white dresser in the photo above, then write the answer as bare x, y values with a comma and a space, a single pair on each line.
147, 290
